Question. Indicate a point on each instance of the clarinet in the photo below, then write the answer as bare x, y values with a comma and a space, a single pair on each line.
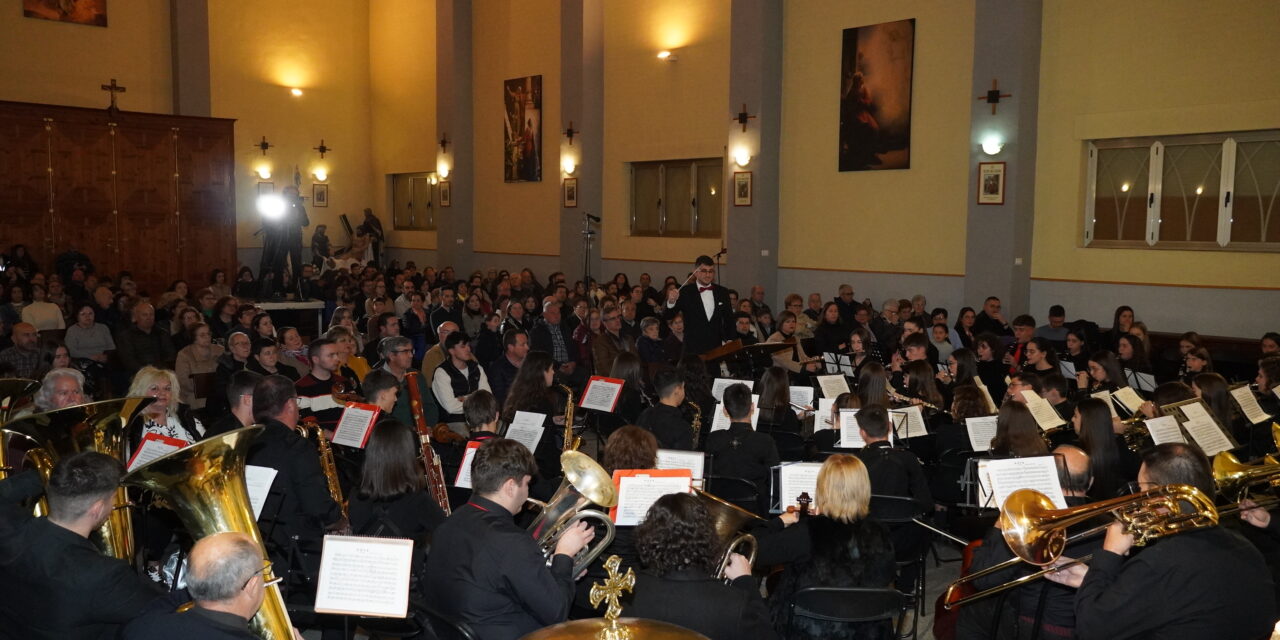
430, 459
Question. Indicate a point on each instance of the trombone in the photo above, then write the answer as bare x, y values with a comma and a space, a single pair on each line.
1036, 532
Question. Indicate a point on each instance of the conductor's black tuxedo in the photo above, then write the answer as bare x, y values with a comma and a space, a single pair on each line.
702, 334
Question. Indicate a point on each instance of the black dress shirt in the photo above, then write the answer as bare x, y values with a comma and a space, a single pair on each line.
501, 375
742, 452
299, 503
486, 571
668, 425
197, 623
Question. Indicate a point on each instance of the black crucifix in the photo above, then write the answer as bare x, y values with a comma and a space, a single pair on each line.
743, 117
571, 132
114, 89
444, 143
993, 96
322, 149
264, 145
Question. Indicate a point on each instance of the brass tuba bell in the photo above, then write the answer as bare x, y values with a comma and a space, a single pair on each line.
728, 520
585, 483
204, 484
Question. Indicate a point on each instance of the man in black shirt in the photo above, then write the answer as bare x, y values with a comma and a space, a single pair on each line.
990, 320
240, 397
708, 313
57, 584
665, 420
740, 451
489, 573
894, 472
447, 311
1204, 583
502, 371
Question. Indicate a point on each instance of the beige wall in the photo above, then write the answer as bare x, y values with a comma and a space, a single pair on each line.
863, 208
660, 111
402, 75
513, 39
64, 63
258, 50
1155, 67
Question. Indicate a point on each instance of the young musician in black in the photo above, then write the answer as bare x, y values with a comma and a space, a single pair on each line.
740, 451
665, 419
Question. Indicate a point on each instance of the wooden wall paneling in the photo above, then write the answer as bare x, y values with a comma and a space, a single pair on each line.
147, 202
84, 214
24, 183
206, 200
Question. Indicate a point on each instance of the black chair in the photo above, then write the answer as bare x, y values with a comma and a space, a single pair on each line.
790, 445
898, 512
446, 628
739, 492
845, 604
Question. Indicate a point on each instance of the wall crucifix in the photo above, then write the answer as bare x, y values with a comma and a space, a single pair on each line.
993, 96
743, 117
114, 89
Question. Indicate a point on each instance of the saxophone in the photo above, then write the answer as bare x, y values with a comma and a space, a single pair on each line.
697, 422
327, 466
430, 459
571, 442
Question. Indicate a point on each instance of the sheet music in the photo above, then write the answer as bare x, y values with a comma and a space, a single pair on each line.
257, 481
981, 431
364, 576
637, 493
1105, 396
1008, 475
720, 384
1204, 429
153, 446
464, 470
823, 418
1165, 429
986, 395
796, 478
527, 428
1044, 413
721, 421
355, 424
833, 386
908, 422
601, 394
850, 435
802, 396
1129, 398
1248, 404
694, 461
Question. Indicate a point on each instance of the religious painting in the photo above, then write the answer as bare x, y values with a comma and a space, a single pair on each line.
90, 12
741, 188
570, 193
990, 183
875, 96
319, 195
522, 129
446, 193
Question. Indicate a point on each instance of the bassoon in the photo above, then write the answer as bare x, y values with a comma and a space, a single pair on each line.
430, 459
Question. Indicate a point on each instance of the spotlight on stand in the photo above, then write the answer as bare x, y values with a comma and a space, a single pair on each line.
271, 207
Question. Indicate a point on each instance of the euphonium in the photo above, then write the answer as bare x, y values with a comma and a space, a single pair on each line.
571, 442
308, 426
48, 437
728, 520
1235, 479
585, 483
204, 484
15, 393
1136, 432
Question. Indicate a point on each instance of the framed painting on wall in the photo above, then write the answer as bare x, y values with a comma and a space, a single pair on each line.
570, 192
319, 195
990, 183
741, 188
446, 194
522, 129
875, 96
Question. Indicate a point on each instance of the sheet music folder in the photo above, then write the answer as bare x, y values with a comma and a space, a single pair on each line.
735, 348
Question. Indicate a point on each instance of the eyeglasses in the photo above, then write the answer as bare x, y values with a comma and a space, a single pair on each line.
402, 351
263, 571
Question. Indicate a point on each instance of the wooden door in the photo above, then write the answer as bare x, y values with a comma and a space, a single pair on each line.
84, 216
206, 201
24, 183
147, 203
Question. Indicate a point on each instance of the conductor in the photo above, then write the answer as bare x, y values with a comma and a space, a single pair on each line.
708, 319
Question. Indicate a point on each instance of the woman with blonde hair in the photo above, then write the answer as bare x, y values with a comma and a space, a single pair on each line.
836, 546
166, 415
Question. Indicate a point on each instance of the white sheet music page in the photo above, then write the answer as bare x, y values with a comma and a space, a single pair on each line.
601, 394
802, 396
1204, 429
720, 384
909, 422
1243, 396
796, 478
986, 395
694, 461
981, 431
355, 424
1129, 398
364, 576
823, 418
1044, 413
637, 493
257, 481
1164, 429
1038, 472
1105, 396
464, 469
833, 386
721, 421
850, 436
526, 428
153, 446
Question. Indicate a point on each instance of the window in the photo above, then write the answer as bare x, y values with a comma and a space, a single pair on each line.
677, 198
1211, 191
413, 201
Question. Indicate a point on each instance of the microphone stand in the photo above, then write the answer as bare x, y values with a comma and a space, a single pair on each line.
587, 234
716, 257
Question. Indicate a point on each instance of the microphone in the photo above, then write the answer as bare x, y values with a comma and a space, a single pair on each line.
591, 217
723, 251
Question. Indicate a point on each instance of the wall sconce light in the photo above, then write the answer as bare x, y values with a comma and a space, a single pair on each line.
442, 168
263, 171
992, 144
568, 165
320, 175
297, 93
667, 56
433, 178
741, 156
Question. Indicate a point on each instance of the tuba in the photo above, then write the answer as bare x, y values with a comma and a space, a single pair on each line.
585, 483
45, 438
204, 484
728, 520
